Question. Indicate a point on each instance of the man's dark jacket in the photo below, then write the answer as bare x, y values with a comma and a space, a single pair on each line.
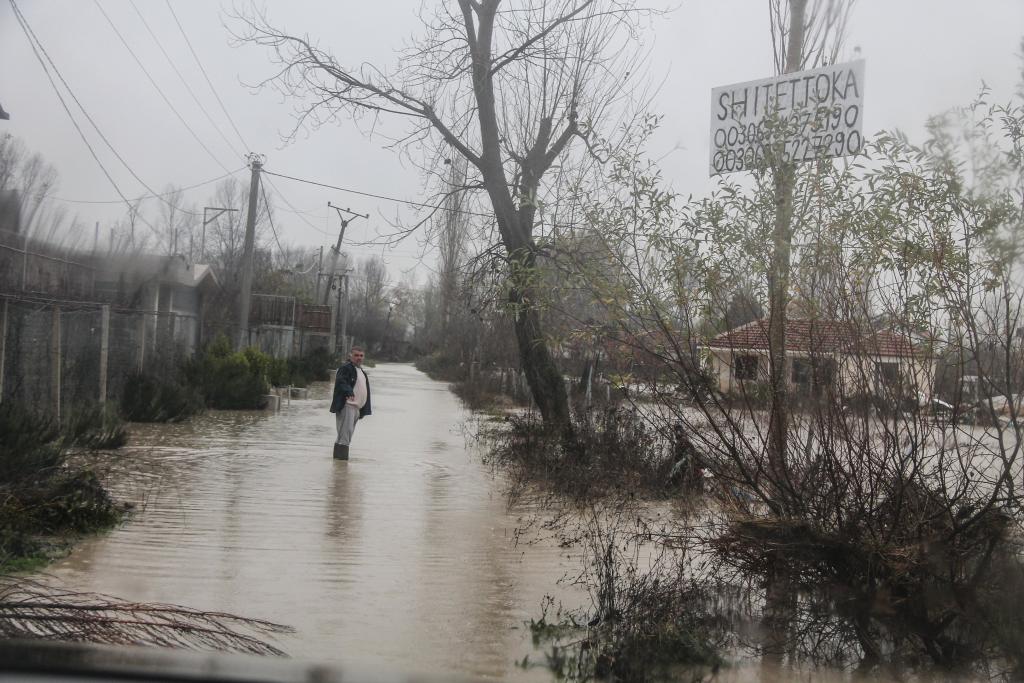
344, 386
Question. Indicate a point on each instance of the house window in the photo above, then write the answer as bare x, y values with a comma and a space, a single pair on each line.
888, 373
801, 372
745, 367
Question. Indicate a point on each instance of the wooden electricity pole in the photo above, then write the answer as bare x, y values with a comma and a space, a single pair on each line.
336, 250
782, 236
343, 344
256, 163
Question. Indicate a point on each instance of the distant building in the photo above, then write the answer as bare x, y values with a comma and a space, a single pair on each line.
174, 290
823, 354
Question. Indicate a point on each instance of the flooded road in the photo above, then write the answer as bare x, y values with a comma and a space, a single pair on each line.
402, 558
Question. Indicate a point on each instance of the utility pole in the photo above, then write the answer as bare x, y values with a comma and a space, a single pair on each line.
336, 250
319, 274
782, 235
256, 163
344, 312
207, 221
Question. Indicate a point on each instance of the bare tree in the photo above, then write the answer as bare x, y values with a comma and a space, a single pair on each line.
35, 181
453, 234
226, 234
174, 231
507, 88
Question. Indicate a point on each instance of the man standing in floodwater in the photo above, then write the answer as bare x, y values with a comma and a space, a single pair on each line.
351, 401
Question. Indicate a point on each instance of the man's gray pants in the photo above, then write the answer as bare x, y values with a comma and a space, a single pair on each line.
346, 419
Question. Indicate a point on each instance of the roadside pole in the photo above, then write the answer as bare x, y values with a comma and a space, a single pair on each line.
336, 250
256, 163
104, 350
344, 315
3, 344
319, 274
55, 364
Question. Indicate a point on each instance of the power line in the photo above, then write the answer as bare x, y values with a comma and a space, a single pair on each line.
300, 214
231, 120
95, 126
184, 82
32, 40
270, 218
206, 76
420, 205
147, 196
167, 100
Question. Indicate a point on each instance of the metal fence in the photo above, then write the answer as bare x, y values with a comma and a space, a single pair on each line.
31, 266
58, 354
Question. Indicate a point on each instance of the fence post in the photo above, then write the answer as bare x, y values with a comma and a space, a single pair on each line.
55, 360
173, 337
3, 345
332, 339
142, 341
590, 383
104, 349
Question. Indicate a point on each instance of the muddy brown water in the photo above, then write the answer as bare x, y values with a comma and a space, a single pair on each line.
404, 557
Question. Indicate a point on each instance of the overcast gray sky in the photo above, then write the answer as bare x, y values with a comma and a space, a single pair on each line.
922, 56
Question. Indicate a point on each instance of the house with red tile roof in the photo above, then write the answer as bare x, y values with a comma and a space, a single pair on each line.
847, 355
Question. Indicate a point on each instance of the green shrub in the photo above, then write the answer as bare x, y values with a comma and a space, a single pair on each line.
315, 366
29, 443
73, 501
230, 380
39, 495
279, 373
147, 398
441, 367
95, 426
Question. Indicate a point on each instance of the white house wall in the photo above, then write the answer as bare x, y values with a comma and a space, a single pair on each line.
852, 370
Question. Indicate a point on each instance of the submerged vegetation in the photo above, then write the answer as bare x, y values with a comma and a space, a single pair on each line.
95, 426
229, 379
43, 499
220, 378
880, 524
611, 452
150, 398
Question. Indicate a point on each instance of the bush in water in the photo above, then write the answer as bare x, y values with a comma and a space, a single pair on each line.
611, 450
40, 495
148, 398
315, 366
95, 426
29, 443
230, 380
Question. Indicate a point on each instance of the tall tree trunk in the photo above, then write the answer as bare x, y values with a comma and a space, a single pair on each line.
782, 235
546, 383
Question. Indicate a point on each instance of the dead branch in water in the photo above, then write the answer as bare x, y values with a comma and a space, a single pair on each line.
35, 610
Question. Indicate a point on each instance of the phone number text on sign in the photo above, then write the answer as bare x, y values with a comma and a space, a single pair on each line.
792, 118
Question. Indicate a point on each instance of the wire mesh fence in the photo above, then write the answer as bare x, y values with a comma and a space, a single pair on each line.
56, 355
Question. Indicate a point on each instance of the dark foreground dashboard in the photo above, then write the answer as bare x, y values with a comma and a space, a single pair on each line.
46, 662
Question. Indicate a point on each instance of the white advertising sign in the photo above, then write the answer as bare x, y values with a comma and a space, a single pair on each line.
791, 118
